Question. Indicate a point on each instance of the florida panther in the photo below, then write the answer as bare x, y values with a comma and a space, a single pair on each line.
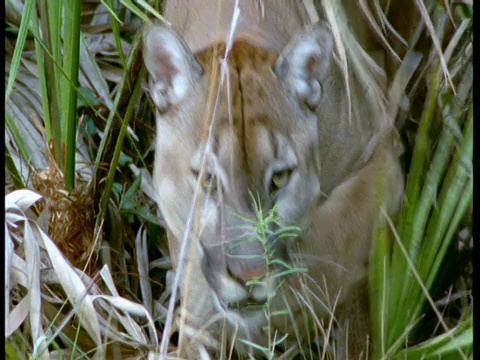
262, 120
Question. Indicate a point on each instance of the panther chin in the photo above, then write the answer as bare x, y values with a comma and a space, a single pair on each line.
251, 296
245, 308
246, 323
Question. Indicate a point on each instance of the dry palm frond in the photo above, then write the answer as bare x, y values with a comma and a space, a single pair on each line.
105, 317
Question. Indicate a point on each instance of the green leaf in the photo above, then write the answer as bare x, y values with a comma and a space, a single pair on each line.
124, 159
144, 212
87, 98
127, 201
117, 190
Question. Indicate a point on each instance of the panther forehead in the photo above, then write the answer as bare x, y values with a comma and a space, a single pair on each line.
249, 77
241, 55
245, 114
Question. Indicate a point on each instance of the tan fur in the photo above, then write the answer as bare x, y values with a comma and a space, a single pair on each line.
337, 165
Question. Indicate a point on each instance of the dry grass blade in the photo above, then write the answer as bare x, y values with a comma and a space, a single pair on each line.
436, 42
23, 113
67, 277
397, 89
8, 264
21, 200
455, 41
90, 75
32, 260
17, 204
386, 23
332, 11
186, 243
378, 30
17, 316
142, 261
131, 308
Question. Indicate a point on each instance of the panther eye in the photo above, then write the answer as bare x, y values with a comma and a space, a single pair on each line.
280, 179
208, 181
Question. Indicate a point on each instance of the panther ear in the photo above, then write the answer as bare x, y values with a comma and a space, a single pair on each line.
304, 62
171, 65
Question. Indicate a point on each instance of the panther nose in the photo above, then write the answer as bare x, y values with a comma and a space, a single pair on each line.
247, 273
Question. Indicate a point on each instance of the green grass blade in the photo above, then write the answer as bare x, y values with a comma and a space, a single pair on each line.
379, 264
95, 73
83, 97
464, 203
71, 51
54, 9
17, 53
13, 171
459, 173
426, 203
111, 9
463, 341
417, 168
451, 193
114, 20
52, 95
19, 142
137, 11
406, 312
441, 220
118, 148
460, 338
41, 76
129, 4
408, 214
124, 90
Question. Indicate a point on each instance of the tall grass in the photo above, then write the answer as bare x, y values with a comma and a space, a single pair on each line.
438, 193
